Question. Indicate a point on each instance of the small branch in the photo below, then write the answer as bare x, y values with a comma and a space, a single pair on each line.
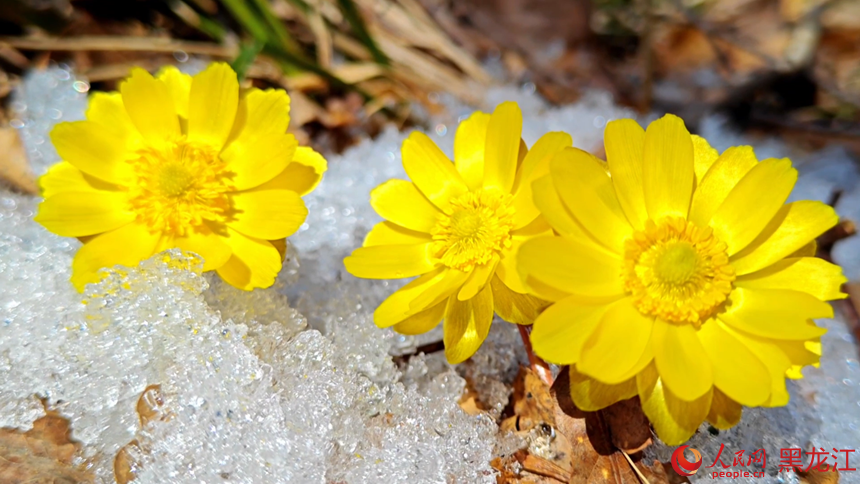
119, 43
540, 367
642, 478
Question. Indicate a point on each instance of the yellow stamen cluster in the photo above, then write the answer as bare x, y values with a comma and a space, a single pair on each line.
478, 227
677, 271
179, 186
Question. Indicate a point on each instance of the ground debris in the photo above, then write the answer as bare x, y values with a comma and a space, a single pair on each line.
814, 476
570, 446
14, 168
41, 455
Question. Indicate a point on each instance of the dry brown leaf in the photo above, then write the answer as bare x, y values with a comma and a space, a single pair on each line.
595, 439
546, 468
470, 400
14, 168
584, 445
42, 455
150, 407
818, 477
533, 403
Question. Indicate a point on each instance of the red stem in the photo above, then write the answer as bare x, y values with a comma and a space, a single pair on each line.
540, 367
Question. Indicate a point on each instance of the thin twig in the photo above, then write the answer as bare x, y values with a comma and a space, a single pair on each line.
540, 367
119, 43
635, 469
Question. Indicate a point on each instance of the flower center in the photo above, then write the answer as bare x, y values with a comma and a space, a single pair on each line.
677, 271
179, 186
478, 227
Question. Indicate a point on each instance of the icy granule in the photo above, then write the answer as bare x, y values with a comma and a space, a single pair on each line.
45, 98
34, 269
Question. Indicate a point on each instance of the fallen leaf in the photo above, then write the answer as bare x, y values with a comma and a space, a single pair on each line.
41, 455
533, 403
150, 407
628, 425
595, 439
470, 401
14, 168
818, 477
572, 446
544, 467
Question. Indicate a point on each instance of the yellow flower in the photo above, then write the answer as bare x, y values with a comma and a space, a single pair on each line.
458, 226
679, 275
180, 162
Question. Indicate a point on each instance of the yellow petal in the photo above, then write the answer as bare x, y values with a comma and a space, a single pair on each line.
126, 245
261, 112
753, 203
775, 313
259, 161
395, 308
624, 141
449, 285
543, 290
678, 356
281, 246
469, 143
590, 395
203, 242
719, 181
560, 332
502, 146
794, 226
537, 227
466, 325
808, 250
617, 345
535, 165
430, 170
514, 307
179, 86
387, 233
549, 203
586, 190
775, 361
703, 157
390, 261
254, 263
801, 353
571, 265
76, 214
93, 150
302, 175
399, 201
738, 372
422, 322
149, 105
674, 420
507, 268
478, 278
805, 274
212, 105
668, 171
64, 177
725, 413
267, 214
106, 110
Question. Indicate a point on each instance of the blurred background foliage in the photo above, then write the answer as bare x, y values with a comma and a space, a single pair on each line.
352, 66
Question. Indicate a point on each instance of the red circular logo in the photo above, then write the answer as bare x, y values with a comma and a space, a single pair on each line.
680, 463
